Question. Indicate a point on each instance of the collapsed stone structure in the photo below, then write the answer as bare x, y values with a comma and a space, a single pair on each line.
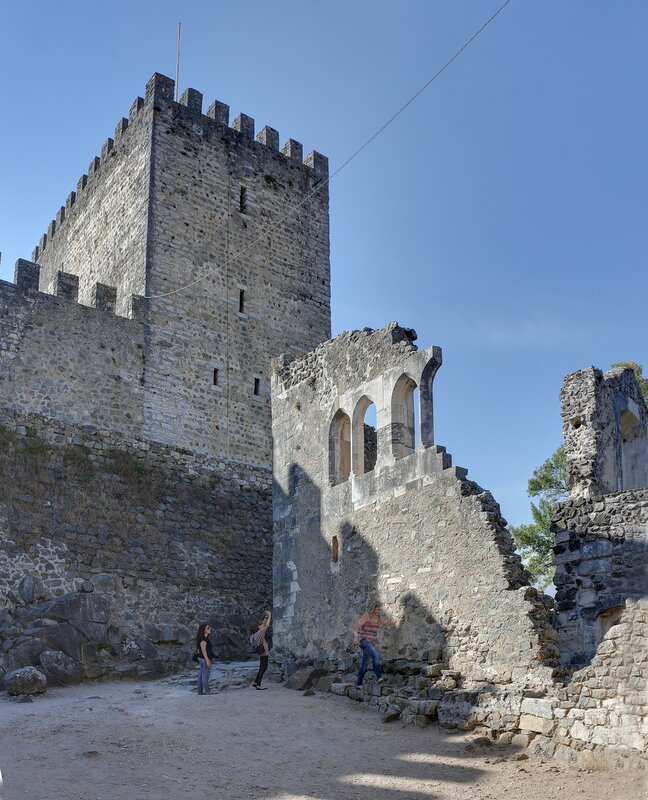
136, 442
474, 644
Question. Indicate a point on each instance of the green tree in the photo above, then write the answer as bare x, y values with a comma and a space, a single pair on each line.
548, 485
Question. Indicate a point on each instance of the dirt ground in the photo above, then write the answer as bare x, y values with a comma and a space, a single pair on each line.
114, 741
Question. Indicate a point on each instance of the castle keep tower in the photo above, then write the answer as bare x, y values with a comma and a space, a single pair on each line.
135, 433
180, 198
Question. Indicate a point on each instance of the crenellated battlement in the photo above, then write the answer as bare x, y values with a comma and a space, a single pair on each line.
94, 167
160, 92
66, 286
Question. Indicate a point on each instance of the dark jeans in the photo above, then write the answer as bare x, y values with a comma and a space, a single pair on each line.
369, 653
263, 666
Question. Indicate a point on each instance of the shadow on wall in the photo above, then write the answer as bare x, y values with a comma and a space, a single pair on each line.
326, 574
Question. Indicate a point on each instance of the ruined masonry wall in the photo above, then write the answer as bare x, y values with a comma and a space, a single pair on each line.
605, 427
601, 560
414, 534
66, 361
599, 719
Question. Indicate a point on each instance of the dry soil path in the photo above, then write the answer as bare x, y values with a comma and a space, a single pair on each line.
126, 741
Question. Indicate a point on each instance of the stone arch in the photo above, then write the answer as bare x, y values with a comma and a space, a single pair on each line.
403, 434
425, 395
364, 444
339, 448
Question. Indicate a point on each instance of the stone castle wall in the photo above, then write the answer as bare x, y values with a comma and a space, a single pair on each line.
413, 533
605, 427
100, 234
160, 543
66, 361
134, 388
601, 557
599, 719
227, 237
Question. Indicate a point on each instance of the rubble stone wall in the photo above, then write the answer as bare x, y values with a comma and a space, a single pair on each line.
160, 543
605, 427
601, 557
599, 719
413, 533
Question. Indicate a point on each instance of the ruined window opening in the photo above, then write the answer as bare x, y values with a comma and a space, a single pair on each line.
243, 200
241, 301
339, 448
215, 376
403, 422
576, 422
335, 550
364, 436
257, 386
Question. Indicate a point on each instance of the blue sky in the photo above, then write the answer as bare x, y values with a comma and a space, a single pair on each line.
503, 215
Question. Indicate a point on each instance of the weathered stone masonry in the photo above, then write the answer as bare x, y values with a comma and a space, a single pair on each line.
474, 646
413, 533
136, 443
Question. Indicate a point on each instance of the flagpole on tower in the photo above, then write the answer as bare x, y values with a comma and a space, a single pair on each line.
177, 80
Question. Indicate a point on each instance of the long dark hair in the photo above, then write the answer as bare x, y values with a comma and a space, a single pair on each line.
201, 634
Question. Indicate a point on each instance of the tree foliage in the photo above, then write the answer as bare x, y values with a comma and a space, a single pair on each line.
549, 485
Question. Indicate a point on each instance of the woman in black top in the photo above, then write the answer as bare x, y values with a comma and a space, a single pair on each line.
205, 656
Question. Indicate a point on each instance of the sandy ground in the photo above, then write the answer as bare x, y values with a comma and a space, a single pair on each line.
110, 741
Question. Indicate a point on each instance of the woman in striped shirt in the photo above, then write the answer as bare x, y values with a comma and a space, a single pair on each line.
365, 633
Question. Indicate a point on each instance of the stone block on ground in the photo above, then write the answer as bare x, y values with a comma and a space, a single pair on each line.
528, 722
458, 710
60, 669
324, 684
392, 713
340, 688
26, 680
304, 678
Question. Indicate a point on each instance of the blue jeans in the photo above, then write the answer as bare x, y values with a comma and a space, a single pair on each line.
368, 654
203, 677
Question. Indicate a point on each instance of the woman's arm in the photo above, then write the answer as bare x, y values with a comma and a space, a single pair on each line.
266, 620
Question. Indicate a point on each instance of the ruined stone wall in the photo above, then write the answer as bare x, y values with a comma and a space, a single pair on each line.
599, 719
67, 361
160, 542
601, 557
605, 427
413, 533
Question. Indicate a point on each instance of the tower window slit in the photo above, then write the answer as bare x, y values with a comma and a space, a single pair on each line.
241, 301
243, 200
257, 386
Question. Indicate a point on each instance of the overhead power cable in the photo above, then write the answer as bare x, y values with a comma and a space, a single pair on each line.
293, 210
